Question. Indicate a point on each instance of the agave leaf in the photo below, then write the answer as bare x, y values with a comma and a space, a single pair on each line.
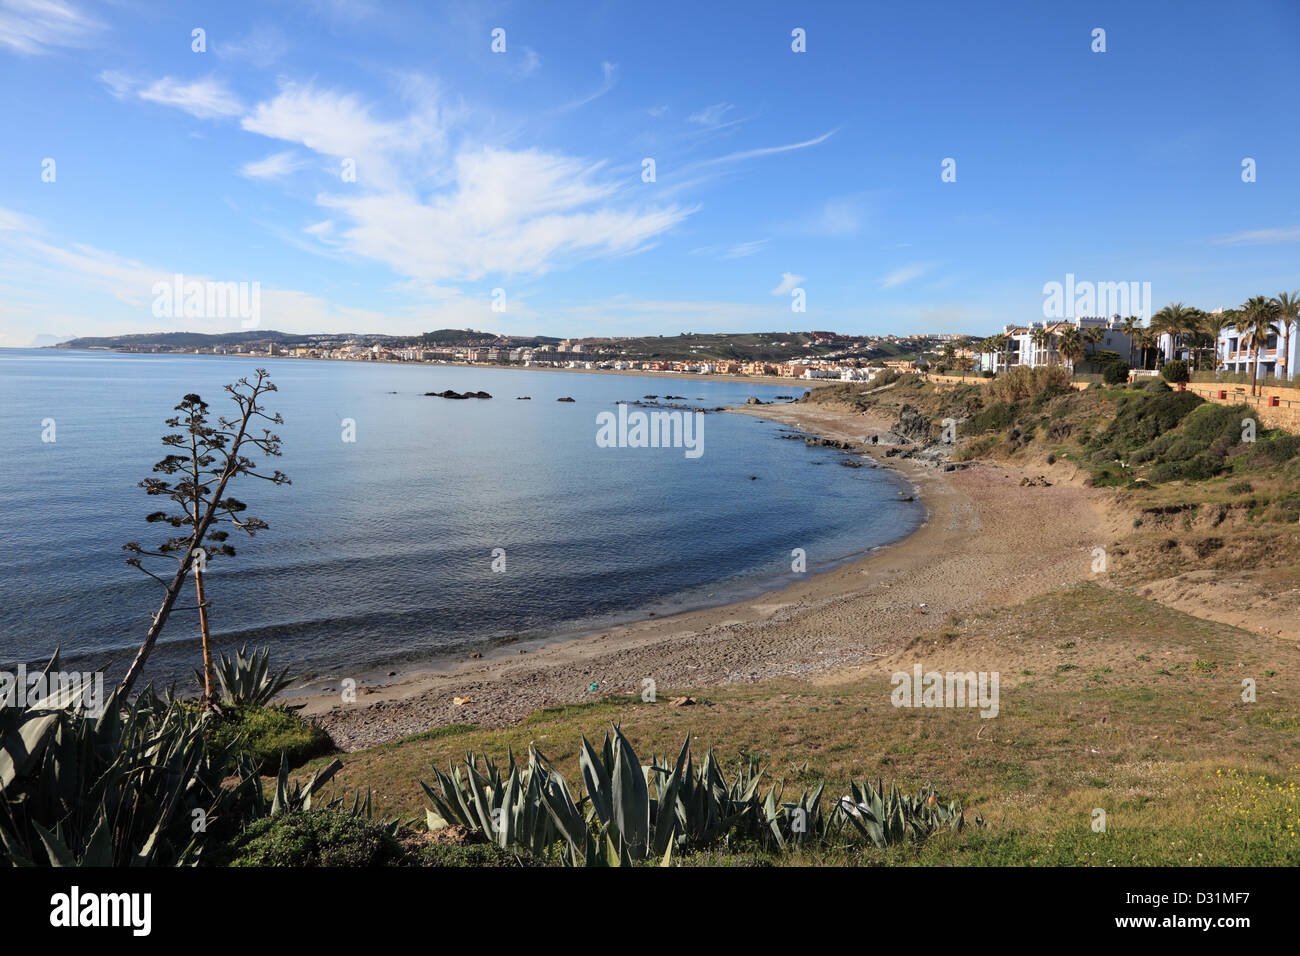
595, 777
20, 750
55, 848
433, 820
631, 798
666, 821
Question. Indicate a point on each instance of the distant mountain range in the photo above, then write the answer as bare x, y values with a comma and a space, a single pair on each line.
191, 340
686, 346
184, 339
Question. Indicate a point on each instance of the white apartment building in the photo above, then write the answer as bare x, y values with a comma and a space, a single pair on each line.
1232, 355
1027, 349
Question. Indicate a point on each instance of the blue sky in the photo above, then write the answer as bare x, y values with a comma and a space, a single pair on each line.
522, 170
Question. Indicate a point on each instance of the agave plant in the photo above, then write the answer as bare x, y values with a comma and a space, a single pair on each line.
625, 811
122, 788
888, 819
248, 679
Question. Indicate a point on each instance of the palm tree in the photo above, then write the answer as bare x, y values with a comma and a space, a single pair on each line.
1073, 346
1288, 310
1042, 339
1092, 336
1176, 320
1131, 324
1256, 325
1144, 337
1216, 323
991, 345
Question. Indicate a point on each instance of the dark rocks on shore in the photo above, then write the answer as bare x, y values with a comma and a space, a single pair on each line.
813, 442
565, 399
851, 463
754, 401
649, 396
523, 398
912, 425
457, 395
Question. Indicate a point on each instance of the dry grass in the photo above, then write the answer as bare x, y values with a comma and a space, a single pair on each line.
1107, 701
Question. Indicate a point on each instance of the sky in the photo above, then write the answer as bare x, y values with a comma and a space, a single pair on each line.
615, 168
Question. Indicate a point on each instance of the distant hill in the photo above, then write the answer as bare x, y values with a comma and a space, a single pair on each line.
179, 339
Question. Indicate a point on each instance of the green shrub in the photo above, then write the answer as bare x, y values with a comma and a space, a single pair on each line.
1201, 467
264, 733
1144, 417
1277, 448
1175, 371
316, 838
1023, 383
1240, 488
1210, 422
1182, 448
994, 418
1115, 373
1155, 384
1169, 471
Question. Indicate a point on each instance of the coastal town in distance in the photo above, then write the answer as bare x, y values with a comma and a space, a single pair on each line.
1211, 341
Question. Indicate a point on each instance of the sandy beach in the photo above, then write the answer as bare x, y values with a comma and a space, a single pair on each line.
987, 541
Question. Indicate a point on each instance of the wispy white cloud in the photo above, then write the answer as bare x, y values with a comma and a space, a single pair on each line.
789, 281
610, 72
766, 150
207, 99
35, 27
904, 274
711, 115
507, 212
658, 111
273, 166
434, 214
739, 250
1261, 236
387, 152
261, 47
530, 64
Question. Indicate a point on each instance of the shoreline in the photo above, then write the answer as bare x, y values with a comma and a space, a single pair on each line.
972, 550
775, 380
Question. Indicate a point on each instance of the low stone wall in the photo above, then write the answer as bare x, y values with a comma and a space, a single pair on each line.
978, 380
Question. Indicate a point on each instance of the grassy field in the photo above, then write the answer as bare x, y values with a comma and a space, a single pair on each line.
1108, 701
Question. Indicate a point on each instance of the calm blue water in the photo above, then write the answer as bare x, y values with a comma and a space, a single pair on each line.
381, 550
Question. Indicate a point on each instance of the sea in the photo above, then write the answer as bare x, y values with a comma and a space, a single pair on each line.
416, 529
